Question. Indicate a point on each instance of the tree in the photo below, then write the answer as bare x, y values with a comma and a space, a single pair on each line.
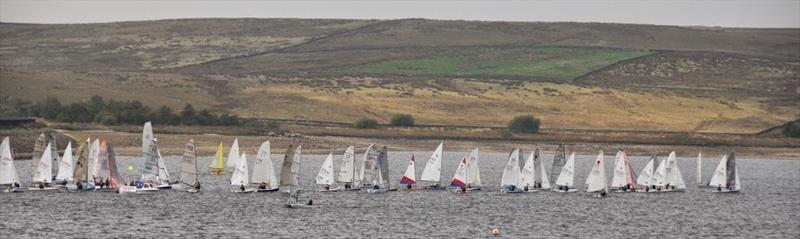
366, 123
164, 115
402, 120
524, 124
229, 120
792, 130
95, 104
206, 118
188, 116
51, 108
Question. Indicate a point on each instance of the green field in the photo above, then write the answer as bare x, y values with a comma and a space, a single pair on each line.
563, 63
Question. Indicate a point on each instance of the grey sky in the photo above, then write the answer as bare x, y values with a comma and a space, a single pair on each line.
741, 13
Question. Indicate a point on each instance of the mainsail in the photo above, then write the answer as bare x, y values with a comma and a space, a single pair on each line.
147, 136
433, 168
542, 180
673, 176
8, 173
43, 172
559, 159
732, 174
65, 165
383, 169
240, 171
596, 181
567, 175
289, 170
460, 177
263, 171
233, 155
348, 168
410, 176
81, 166
718, 179
107, 165
646, 175
189, 164
473, 171
699, 169
369, 164
511, 173
623, 171
38, 150
325, 175
528, 172
150, 172
218, 164
93, 161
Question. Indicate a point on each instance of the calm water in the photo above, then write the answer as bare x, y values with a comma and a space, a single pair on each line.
769, 206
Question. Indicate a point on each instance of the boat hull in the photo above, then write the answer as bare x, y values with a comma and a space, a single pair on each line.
330, 190
249, 190
42, 189
267, 190
299, 206
567, 191
379, 190
164, 186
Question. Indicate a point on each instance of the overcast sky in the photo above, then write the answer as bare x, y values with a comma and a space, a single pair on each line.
741, 13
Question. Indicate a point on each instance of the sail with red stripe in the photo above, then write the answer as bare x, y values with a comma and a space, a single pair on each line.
460, 177
409, 177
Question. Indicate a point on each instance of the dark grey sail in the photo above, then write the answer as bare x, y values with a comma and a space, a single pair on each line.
559, 160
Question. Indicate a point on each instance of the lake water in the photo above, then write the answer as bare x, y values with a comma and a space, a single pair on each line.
769, 206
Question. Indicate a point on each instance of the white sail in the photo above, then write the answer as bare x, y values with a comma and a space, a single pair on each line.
410, 176
567, 175
673, 175
660, 174
263, 170
233, 155
94, 156
433, 168
473, 170
543, 176
620, 178
147, 136
44, 171
596, 181
646, 174
369, 165
699, 169
718, 179
528, 173
163, 174
240, 174
511, 173
460, 177
152, 166
65, 165
325, 175
346, 171
8, 173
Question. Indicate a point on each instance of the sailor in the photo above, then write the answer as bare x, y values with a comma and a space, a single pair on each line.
310, 202
526, 187
513, 187
408, 186
263, 185
197, 185
78, 184
347, 186
603, 193
16, 185
463, 188
566, 188
241, 187
41, 185
538, 185
327, 187
107, 182
666, 187
719, 187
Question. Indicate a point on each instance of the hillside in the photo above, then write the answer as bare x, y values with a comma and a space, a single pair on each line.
571, 75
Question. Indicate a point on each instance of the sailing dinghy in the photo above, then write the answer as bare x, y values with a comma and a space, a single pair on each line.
596, 181
189, 176
263, 171
459, 182
106, 168
510, 182
240, 176
566, 179
473, 171
645, 178
233, 154
409, 178
559, 159
217, 167
528, 173
367, 173
65, 167
667, 177
433, 169
726, 176
43, 173
325, 175
8, 173
623, 179
289, 171
348, 171
381, 183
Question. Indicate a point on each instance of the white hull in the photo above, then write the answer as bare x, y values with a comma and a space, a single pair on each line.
13, 190
336, 189
42, 189
267, 190
725, 191
134, 190
571, 190
249, 190
380, 190
299, 205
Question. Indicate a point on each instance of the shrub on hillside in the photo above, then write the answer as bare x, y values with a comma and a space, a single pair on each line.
792, 130
524, 124
402, 120
366, 123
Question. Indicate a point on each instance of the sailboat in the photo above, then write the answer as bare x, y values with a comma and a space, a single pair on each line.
263, 172
511, 181
559, 159
645, 178
368, 163
233, 155
65, 167
410, 175
596, 181
459, 182
623, 178
382, 182
348, 170
542, 180
433, 169
106, 167
473, 171
325, 175
217, 167
667, 177
153, 173
528, 173
699, 171
240, 176
566, 179
189, 176
43, 173
8, 173
726, 176
88, 170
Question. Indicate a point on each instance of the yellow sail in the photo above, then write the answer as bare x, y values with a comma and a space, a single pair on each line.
218, 165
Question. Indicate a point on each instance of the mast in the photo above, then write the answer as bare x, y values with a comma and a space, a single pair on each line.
699, 169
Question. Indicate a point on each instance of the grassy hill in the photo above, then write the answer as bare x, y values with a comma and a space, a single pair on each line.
571, 75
